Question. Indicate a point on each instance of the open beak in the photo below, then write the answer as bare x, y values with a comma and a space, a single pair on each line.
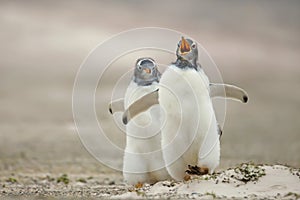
184, 47
148, 71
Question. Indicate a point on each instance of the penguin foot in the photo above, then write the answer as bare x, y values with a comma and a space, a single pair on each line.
139, 185
195, 170
187, 177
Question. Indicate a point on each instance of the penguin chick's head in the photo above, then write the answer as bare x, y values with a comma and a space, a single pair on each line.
187, 50
146, 72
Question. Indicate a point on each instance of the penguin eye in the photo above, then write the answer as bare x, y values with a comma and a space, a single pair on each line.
193, 46
139, 67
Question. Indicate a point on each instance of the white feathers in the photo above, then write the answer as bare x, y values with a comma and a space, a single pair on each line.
190, 121
143, 160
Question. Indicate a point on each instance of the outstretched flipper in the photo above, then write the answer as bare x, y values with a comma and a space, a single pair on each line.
116, 106
141, 105
230, 91
216, 90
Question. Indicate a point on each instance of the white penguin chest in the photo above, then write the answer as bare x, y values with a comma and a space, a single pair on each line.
184, 97
185, 86
146, 124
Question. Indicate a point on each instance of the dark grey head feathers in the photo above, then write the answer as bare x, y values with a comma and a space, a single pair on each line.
146, 72
187, 54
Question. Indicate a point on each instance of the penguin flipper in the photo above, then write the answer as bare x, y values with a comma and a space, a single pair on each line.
139, 106
116, 106
220, 131
231, 91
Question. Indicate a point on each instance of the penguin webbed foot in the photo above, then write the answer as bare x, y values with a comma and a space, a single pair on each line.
195, 170
139, 185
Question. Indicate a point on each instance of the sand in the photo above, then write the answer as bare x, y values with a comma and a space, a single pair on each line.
246, 181
279, 182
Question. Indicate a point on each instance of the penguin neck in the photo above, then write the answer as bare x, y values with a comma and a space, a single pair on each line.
184, 64
142, 82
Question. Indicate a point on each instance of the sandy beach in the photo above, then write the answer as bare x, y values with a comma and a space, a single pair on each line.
271, 182
245, 181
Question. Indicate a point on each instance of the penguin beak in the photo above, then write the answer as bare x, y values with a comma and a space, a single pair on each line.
184, 46
148, 71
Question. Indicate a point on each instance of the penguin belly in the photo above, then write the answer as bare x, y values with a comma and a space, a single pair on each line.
189, 121
143, 161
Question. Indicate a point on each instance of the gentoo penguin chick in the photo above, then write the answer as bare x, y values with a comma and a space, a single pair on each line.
190, 132
143, 161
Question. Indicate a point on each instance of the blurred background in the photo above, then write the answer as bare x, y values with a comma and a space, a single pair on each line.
255, 44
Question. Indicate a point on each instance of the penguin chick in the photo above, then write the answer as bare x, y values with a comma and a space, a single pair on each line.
143, 161
190, 123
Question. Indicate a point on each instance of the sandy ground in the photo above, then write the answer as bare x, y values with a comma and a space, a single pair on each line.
244, 181
255, 44
271, 182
